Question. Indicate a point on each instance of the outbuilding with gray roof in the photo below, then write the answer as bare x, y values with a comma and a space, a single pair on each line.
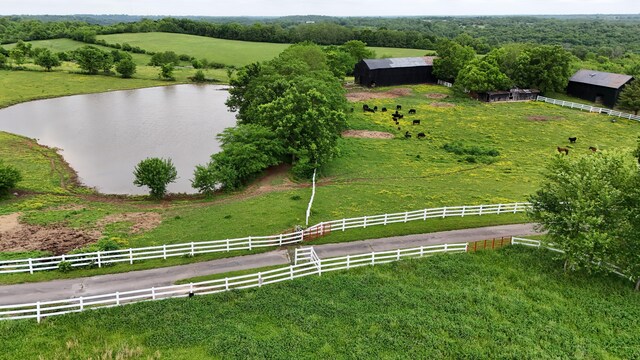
597, 86
395, 71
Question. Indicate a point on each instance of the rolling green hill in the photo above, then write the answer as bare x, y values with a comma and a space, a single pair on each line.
227, 52
514, 303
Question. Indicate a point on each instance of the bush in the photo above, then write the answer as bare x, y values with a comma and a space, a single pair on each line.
303, 169
155, 173
184, 57
64, 266
199, 76
126, 68
9, 177
459, 148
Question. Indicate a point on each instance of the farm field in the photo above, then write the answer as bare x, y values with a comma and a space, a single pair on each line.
229, 52
371, 176
510, 303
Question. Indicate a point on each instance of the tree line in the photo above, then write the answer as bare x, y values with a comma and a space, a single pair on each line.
596, 34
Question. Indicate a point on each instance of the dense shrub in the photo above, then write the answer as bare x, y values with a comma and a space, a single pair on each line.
156, 173
9, 177
459, 148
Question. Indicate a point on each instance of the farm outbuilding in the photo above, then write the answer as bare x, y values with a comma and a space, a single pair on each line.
395, 71
511, 95
597, 86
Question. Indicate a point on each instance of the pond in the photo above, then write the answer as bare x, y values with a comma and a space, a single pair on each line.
103, 136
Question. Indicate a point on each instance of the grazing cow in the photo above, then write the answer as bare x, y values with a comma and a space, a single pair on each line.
375, 108
416, 122
563, 150
407, 135
400, 116
191, 294
573, 140
369, 110
365, 107
421, 135
412, 111
398, 107
593, 148
352, 109
384, 109
399, 128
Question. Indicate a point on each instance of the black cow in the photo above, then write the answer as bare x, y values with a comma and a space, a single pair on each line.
412, 111
573, 140
369, 110
384, 109
365, 107
398, 107
375, 108
416, 122
407, 135
421, 135
400, 116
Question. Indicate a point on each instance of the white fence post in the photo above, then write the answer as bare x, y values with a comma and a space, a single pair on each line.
406, 216
280, 241
30, 266
499, 208
117, 298
463, 210
228, 247
421, 251
344, 223
364, 225
38, 311
385, 219
259, 279
81, 304
164, 252
130, 256
444, 212
373, 258
515, 208
348, 261
424, 214
249, 242
226, 283
153, 292
193, 249
99, 262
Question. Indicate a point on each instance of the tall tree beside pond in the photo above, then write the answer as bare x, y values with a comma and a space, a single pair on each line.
126, 68
47, 59
91, 59
155, 173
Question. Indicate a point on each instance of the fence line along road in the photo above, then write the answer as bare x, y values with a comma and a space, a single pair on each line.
103, 258
307, 263
589, 108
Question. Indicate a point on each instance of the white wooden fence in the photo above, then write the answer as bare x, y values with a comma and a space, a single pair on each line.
445, 83
315, 266
589, 108
103, 258
549, 246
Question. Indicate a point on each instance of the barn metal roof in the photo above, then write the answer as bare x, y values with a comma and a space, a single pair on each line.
599, 78
390, 63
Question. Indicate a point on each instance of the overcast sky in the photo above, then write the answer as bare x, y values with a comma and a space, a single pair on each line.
318, 7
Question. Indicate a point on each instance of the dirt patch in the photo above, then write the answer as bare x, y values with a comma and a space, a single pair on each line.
366, 134
442, 105
142, 221
543, 118
367, 95
9, 222
436, 96
55, 239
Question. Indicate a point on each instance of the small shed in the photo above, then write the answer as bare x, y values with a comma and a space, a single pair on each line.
511, 95
597, 86
395, 71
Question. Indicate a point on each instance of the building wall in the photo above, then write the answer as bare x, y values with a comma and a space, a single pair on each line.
393, 76
591, 92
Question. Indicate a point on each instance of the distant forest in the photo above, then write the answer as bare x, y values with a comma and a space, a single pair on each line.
609, 35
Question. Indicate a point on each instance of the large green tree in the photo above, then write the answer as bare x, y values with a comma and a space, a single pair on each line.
482, 76
630, 97
452, 57
126, 68
91, 59
590, 206
545, 67
47, 59
246, 151
155, 173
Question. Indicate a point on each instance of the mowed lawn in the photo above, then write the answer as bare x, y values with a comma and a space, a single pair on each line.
513, 303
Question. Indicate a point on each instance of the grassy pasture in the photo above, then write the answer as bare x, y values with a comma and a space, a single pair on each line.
510, 303
229, 52
370, 176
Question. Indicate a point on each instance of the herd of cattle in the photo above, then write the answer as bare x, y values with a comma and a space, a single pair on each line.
397, 116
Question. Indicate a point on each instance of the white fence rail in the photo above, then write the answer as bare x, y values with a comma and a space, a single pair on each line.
589, 108
103, 258
40, 310
539, 244
445, 83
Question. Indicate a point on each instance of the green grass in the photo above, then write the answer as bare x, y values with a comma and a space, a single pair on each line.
229, 52
512, 303
370, 176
